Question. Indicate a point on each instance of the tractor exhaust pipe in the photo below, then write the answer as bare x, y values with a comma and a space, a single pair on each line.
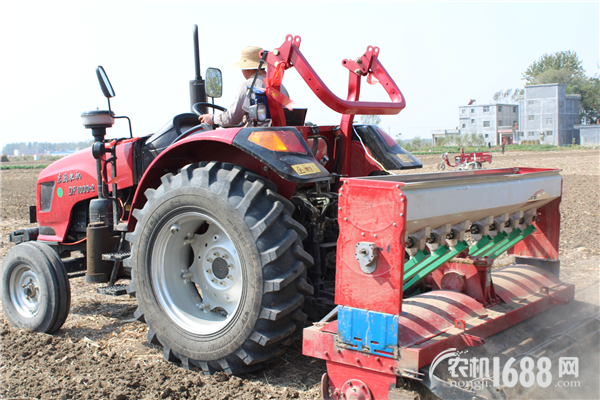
197, 86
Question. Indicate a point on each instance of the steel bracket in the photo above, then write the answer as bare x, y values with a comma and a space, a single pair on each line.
366, 255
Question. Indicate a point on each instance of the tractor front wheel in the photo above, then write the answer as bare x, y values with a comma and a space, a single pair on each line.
218, 268
36, 293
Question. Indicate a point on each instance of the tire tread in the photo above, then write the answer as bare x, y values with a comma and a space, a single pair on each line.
279, 243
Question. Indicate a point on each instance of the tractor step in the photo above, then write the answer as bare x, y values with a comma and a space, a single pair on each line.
114, 290
118, 256
121, 227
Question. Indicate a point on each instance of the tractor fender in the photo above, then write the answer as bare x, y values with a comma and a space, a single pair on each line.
231, 145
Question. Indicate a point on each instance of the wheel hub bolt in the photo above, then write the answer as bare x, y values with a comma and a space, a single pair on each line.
216, 254
186, 275
229, 277
174, 229
29, 289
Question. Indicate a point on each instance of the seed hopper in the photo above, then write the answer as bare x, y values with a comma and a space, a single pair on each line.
415, 276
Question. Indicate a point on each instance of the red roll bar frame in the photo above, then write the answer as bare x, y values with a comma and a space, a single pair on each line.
289, 53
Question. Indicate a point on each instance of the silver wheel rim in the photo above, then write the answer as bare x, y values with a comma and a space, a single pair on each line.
24, 288
200, 296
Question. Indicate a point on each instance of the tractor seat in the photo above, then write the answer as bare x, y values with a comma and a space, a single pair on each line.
171, 130
166, 135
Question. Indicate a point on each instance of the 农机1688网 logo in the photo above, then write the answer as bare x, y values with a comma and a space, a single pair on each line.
476, 373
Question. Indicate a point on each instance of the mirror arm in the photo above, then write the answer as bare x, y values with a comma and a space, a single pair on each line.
128, 120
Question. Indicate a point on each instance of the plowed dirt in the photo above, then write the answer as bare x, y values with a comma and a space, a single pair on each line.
102, 352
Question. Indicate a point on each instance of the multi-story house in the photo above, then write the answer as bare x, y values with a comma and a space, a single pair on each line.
494, 121
548, 114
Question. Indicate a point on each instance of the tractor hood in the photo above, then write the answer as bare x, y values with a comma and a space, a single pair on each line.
71, 180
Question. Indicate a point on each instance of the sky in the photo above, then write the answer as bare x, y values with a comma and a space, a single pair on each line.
440, 54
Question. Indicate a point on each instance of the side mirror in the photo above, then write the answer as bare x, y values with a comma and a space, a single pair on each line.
105, 83
214, 83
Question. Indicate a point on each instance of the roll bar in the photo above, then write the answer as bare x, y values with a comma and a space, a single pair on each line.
366, 65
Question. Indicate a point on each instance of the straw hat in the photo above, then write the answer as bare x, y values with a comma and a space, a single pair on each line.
250, 58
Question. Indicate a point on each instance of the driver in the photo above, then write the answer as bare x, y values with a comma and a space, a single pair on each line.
238, 110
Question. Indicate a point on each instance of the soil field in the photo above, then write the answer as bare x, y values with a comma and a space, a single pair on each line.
102, 351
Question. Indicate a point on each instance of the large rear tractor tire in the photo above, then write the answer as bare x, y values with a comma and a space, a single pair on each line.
36, 293
218, 268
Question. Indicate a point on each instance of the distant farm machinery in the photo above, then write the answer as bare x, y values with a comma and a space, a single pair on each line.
465, 161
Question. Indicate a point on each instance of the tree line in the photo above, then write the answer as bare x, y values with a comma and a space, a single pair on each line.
43, 147
458, 140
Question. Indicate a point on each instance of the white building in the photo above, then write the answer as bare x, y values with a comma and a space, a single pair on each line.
589, 134
549, 115
494, 121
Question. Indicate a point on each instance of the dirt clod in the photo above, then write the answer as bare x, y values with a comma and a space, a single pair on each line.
221, 377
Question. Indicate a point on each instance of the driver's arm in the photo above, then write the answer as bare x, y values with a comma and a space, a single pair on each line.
234, 114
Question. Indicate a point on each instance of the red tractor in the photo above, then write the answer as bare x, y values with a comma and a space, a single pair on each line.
231, 237
227, 235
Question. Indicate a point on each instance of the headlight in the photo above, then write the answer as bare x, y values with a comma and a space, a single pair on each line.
261, 112
258, 112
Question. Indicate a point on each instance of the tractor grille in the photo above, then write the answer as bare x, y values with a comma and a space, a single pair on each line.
46, 195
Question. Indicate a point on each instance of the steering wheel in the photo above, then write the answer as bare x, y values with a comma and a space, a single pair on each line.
196, 107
